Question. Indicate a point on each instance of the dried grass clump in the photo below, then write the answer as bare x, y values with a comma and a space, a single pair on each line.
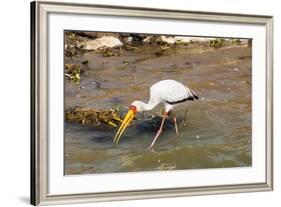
162, 50
74, 44
72, 72
109, 52
93, 117
217, 43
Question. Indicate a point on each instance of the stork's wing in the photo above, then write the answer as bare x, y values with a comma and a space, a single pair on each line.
171, 91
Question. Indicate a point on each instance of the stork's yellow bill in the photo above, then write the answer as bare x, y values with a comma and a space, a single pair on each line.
127, 120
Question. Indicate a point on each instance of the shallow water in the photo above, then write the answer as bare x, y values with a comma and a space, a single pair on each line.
215, 133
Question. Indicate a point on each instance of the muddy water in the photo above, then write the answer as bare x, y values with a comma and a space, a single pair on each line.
215, 131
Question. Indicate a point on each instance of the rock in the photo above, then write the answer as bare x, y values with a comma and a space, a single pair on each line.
137, 37
103, 42
147, 39
184, 39
168, 40
92, 35
128, 40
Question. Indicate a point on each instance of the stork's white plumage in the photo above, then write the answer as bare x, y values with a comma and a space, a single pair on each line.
168, 92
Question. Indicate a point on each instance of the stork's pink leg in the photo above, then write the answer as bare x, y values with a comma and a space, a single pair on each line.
176, 126
159, 132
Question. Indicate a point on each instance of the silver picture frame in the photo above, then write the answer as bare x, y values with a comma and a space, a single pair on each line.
39, 100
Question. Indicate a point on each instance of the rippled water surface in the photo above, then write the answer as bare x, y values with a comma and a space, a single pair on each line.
215, 131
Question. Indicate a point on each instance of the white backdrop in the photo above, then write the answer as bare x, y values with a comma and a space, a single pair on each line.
14, 82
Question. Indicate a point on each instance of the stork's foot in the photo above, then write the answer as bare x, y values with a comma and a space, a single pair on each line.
150, 148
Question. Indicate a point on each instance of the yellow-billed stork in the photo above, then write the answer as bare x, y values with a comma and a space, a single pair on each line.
168, 92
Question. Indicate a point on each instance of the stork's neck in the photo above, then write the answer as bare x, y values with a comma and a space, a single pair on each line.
148, 106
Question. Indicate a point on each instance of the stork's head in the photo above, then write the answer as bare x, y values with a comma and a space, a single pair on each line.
135, 107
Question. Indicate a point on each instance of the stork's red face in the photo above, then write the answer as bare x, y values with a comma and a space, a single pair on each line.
127, 120
133, 108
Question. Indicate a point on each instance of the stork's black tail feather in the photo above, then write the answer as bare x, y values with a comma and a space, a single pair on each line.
194, 94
